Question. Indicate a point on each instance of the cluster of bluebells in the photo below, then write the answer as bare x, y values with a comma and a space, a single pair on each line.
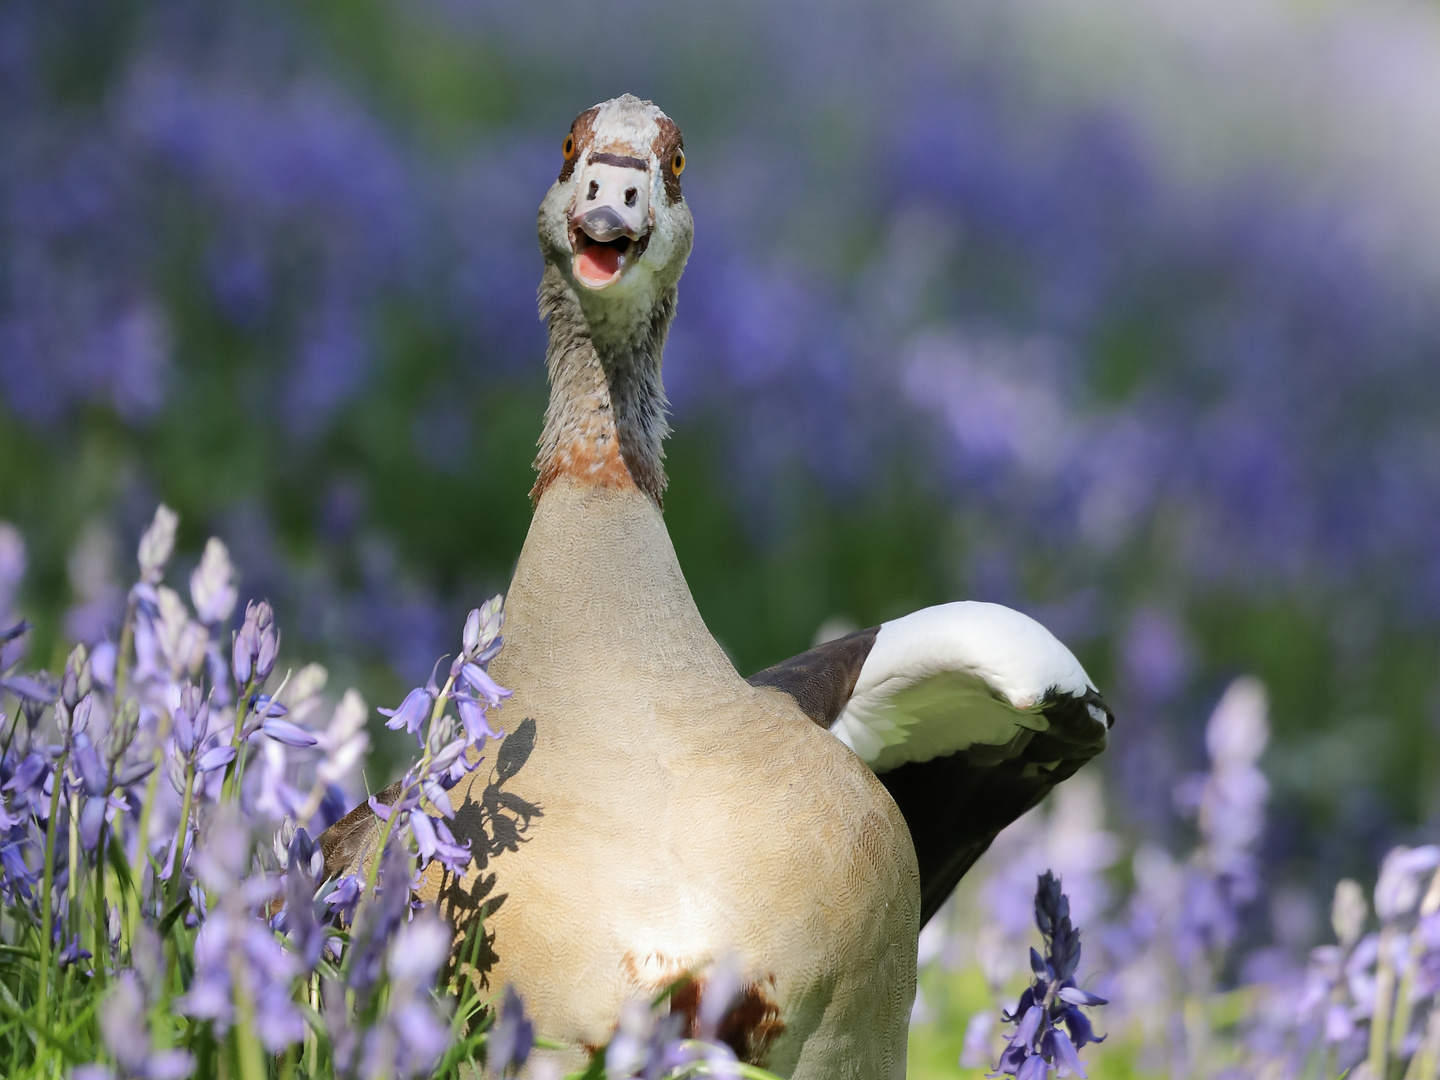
1010, 256
134, 790
1168, 955
1050, 1028
449, 747
168, 757
1369, 1002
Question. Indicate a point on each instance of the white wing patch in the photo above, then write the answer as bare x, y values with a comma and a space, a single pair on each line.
954, 676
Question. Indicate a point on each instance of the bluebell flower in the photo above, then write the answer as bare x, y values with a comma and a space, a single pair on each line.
156, 545
285, 732
30, 689
1053, 999
507, 1046
344, 740
72, 953
27, 786
481, 682
435, 841
345, 895
256, 645
412, 713
235, 939
411, 1036
378, 920
125, 1026
17, 879
212, 584
299, 918
645, 1045
473, 717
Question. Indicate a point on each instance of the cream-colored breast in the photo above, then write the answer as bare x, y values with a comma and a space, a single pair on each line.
669, 812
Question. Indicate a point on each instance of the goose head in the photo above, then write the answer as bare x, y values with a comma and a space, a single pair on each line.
615, 224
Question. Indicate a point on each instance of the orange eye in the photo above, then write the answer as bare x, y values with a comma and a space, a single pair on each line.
569, 148
677, 163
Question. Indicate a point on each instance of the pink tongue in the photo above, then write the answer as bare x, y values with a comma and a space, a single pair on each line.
598, 262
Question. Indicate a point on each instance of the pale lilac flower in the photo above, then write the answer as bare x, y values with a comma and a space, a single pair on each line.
285, 732
256, 645
156, 545
234, 941
1348, 913
481, 682
412, 713
435, 841
125, 1025
473, 717
1398, 889
212, 584
345, 740
975, 1052
642, 1042
300, 918
378, 920
507, 1046
343, 899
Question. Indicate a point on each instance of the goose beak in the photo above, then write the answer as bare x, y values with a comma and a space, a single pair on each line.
610, 223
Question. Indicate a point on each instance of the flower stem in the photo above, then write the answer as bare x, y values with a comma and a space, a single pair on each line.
1384, 995
74, 882
252, 1063
47, 887
10, 735
122, 651
177, 857
242, 709
102, 924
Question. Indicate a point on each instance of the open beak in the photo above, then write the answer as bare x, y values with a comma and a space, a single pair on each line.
610, 224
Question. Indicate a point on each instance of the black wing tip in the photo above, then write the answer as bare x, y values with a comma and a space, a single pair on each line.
1057, 704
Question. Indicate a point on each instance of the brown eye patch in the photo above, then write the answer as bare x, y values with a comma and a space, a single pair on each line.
581, 131
669, 150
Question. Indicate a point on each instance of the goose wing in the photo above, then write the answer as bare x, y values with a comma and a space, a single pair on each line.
969, 713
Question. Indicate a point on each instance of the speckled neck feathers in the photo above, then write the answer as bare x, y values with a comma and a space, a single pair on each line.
606, 418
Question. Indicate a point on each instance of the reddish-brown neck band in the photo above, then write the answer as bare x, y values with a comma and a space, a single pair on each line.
605, 421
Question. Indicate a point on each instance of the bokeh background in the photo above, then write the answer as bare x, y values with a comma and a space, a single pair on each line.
1124, 314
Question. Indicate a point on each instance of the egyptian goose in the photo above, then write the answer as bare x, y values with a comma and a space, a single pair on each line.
652, 810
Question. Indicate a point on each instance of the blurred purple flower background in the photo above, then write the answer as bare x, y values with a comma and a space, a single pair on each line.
1124, 315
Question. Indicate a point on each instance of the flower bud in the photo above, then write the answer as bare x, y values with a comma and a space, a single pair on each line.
212, 585
157, 544
1347, 913
257, 644
471, 637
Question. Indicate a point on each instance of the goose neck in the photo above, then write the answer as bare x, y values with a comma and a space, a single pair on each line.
605, 422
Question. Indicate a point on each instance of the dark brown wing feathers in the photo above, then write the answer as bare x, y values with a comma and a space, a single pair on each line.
821, 679
343, 844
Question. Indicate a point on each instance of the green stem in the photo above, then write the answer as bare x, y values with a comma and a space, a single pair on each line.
178, 854
48, 883
312, 1040
1380, 1019
10, 735
42, 1029
252, 1063
73, 885
242, 710
162, 729
122, 652
102, 924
